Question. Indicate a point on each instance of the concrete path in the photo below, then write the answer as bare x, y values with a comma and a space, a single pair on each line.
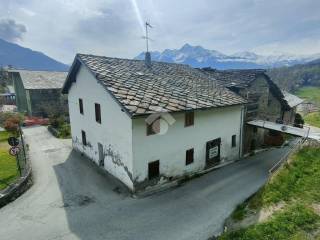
71, 200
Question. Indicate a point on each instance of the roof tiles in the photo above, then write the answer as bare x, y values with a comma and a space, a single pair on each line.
163, 87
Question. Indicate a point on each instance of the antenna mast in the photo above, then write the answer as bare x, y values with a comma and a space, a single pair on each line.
147, 35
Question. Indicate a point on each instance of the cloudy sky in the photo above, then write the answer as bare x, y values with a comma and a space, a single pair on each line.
61, 28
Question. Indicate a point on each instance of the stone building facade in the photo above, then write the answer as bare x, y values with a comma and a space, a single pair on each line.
265, 101
37, 90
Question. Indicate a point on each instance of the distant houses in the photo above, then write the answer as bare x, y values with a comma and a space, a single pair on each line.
37, 90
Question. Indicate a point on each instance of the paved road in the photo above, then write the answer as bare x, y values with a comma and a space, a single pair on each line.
71, 200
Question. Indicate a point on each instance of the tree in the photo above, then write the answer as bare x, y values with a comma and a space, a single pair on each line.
298, 121
4, 80
56, 112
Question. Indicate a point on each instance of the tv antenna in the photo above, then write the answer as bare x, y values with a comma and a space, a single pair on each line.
146, 37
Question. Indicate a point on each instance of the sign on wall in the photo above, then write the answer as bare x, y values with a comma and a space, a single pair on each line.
213, 152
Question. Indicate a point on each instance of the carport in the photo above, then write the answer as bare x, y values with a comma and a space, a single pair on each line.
306, 132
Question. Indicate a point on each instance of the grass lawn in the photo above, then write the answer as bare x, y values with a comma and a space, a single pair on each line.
313, 119
4, 135
297, 185
8, 167
310, 93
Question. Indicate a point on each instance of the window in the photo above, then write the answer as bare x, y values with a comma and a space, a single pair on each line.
234, 141
189, 119
153, 169
189, 156
84, 138
154, 127
81, 105
98, 112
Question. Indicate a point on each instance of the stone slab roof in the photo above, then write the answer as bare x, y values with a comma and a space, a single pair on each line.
163, 87
237, 78
42, 79
243, 79
291, 99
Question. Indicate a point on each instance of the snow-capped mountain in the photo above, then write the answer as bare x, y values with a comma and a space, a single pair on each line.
198, 56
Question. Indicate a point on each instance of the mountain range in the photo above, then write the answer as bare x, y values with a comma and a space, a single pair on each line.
293, 77
197, 56
25, 58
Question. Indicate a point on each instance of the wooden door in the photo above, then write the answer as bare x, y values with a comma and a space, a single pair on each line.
213, 152
101, 154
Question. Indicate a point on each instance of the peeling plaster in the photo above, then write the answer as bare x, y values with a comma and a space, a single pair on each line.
116, 159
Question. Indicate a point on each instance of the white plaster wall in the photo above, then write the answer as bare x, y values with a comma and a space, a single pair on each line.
170, 148
114, 132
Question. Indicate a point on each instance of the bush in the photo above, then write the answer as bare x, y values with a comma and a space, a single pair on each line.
5, 115
56, 121
12, 123
298, 121
62, 131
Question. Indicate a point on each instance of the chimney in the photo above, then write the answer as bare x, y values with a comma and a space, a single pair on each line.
147, 59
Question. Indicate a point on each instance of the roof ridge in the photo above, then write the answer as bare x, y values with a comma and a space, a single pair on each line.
136, 60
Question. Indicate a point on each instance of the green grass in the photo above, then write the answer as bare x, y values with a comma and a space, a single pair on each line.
240, 212
313, 119
4, 135
8, 166
310, 93
295, 222
297, 182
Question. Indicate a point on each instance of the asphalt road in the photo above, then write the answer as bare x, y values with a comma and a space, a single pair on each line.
70, 199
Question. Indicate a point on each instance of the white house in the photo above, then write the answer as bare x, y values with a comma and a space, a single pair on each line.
148, 123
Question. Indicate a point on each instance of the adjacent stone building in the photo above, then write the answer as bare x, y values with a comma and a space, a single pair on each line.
148, 122
36, 90
293, 101
265, 102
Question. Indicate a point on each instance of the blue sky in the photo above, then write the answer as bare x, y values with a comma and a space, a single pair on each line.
61, 28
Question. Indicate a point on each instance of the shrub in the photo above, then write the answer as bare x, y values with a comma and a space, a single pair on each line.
11, 124
5, 115
298, 121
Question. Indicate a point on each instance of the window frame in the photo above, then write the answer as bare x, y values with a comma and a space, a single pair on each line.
189, 119
84, 138
81, 106
97, 111
234, 141
189, 156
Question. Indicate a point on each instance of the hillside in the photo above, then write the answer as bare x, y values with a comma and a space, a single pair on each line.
197, 56
292, 78
287, 207
25, 58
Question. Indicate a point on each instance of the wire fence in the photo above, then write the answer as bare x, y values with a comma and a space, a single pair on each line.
292, 150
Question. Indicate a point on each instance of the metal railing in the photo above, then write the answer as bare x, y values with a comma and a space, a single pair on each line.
285, 158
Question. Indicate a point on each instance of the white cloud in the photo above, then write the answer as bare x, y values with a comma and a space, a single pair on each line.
10, 30
61, 28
